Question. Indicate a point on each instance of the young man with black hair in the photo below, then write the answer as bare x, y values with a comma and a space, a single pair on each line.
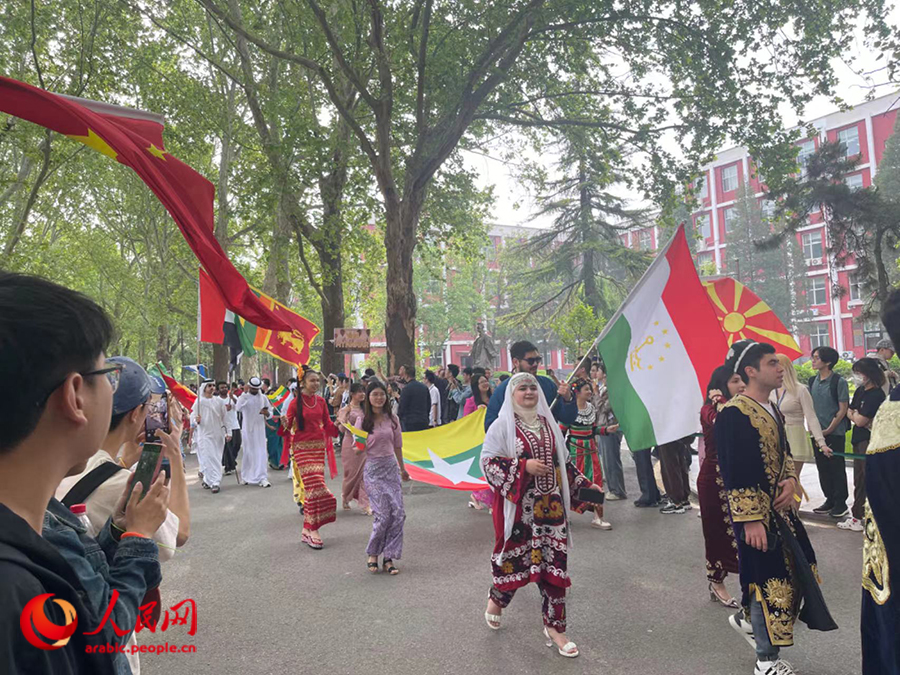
232, 431
880, 617
52, 344
435, 414
451, 374
831, 400
761, 484
415, 401
527, 359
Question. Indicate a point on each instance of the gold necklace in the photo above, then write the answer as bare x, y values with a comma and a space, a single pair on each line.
303, 400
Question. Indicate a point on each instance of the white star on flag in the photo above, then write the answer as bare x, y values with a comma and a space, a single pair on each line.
455, 473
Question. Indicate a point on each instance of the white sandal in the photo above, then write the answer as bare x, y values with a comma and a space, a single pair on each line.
492, 619
569, 650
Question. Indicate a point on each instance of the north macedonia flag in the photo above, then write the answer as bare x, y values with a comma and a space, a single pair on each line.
744, 316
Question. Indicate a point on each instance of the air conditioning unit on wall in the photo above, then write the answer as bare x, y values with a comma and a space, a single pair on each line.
813, 261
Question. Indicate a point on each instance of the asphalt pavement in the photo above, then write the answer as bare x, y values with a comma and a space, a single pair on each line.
266, 604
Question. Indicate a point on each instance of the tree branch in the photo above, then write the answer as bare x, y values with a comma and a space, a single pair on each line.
295, 223
420, 68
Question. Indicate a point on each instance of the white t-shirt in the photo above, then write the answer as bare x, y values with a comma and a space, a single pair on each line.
768, 406
435, 400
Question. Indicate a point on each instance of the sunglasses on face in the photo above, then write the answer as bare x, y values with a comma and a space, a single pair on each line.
534, 360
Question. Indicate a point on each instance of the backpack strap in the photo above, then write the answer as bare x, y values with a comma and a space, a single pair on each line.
810, 383
93, 479
833, 385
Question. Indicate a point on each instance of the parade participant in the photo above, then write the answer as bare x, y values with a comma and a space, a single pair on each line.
867, 399
255, 408
352, 488
308, 423
525, 460
831, 399
274, 442
527, 359
292, 393
610, 443
796, 404
581, 442
415, 401
884, 352
232, 431
718, 533
208, 418
880, 616
777, 561
383, 472
481, 396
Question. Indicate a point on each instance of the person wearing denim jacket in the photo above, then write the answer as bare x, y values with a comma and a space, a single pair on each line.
129, 565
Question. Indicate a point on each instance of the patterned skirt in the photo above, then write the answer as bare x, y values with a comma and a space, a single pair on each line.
718, 534
319, 505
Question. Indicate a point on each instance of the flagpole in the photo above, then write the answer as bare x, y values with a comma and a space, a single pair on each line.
612, 321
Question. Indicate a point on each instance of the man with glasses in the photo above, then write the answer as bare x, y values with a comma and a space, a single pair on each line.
52, 344
527, 359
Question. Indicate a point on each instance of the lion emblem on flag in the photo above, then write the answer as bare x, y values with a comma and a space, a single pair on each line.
293, 340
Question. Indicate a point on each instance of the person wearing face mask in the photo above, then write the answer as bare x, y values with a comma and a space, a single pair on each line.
718, 533
524, 458
869, 379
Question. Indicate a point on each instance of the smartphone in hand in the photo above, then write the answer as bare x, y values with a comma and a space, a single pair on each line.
148, 467
157, 418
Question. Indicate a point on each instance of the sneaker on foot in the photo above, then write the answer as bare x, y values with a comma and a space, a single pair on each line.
214, 489
687, 506
672, 508
824, 508
852, 524
265, 483
743, 627
779, 667
613, 497
600, 524
839, 511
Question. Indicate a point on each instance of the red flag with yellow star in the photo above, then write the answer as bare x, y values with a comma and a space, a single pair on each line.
134, 138
743, 315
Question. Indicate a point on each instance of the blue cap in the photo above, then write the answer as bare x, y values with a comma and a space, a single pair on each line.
134, 385
157, 386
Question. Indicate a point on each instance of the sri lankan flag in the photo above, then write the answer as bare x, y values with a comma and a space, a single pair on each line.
289, 346
448, 456
743, 315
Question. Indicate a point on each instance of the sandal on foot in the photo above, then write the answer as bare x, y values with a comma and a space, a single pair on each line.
569, 650
312, 543
372, 567
389, 567
492, 620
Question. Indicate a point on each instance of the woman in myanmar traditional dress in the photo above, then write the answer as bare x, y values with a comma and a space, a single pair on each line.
525, 460
718, 533
353, 462
308, 424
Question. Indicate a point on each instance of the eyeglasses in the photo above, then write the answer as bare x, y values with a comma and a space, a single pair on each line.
533, 360
112, 375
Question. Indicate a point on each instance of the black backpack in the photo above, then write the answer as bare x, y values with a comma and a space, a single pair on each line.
832, 385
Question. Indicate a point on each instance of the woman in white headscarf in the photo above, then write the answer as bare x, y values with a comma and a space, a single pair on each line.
525, 460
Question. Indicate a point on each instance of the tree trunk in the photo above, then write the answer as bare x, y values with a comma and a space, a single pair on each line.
400, 242
162, 345
221, 362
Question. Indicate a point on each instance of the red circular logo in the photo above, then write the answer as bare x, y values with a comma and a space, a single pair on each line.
37, 627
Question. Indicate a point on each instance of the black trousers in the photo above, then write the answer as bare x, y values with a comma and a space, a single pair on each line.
833, 472
232, 448
674, 471
643, 464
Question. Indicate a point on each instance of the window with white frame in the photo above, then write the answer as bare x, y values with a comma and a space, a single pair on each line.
854, 287
873, 332
854, 182
703, 226
849, 138
646, 240
768, 209
730, 178
701, 186
812, 245
807, 149
730, 215
705, 260
820, 336
815, 291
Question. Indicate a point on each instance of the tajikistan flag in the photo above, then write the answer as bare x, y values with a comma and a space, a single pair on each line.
448, 456
660, 350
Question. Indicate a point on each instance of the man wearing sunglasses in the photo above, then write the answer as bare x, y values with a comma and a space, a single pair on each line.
527, 359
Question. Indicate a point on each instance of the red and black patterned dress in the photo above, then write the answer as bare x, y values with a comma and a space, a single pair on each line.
718, 533
537, 550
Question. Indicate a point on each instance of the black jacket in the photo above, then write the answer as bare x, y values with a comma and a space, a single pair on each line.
29, 566
415, 406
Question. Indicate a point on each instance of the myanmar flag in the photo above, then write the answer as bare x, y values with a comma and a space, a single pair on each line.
660, 349
744, 316
448, 456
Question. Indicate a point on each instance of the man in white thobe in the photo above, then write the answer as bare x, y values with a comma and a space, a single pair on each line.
208, 419
255, 408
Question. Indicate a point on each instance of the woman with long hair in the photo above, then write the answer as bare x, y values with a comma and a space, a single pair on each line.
353, 463
309, 425
382, 475
481, 396
867, 399
524, 458
581, 441
795, 403
718, 533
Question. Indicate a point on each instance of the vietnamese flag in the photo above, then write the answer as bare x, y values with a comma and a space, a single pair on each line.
744, 316
134, 138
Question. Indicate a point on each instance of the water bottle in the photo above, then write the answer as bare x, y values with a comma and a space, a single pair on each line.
80, 512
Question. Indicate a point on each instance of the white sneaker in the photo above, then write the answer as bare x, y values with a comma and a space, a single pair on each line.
265, 483
600, 524
613, 497
779, 667
743, 627
852, 524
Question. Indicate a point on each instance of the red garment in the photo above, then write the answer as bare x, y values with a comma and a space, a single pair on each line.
715, 516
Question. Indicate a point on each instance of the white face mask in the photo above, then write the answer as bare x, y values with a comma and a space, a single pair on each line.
857, 380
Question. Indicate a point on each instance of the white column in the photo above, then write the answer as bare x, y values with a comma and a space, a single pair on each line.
870, 138
714, 217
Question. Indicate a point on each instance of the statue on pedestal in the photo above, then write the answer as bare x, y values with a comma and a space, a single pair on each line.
484, 353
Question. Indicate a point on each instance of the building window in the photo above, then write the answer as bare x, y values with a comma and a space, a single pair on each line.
807, 149
730, 219
646, 240
812, 246
873, 332
704, 187
854, 287
854, 182
768, 209
849, 138
820, 337
730, 178
815, 293
703, 226
705, 263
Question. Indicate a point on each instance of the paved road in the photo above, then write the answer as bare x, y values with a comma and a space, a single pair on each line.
638, 605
